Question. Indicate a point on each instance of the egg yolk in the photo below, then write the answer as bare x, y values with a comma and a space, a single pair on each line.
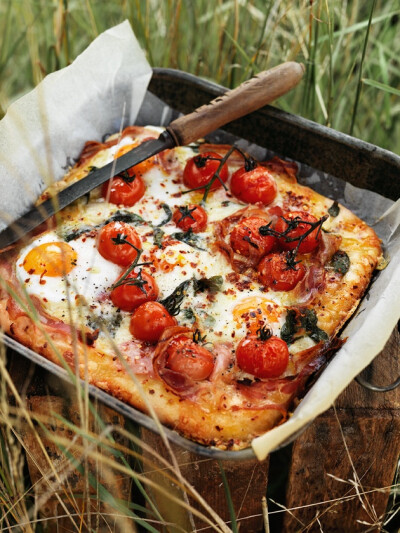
52, 259
140, 168
255, 312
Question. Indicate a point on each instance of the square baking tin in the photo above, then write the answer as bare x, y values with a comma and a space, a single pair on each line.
288, 136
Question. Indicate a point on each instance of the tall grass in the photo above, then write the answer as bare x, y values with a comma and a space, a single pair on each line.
351, 50
228, 41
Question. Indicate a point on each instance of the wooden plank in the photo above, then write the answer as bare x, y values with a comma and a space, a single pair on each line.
59, 488
348, 457
247, 482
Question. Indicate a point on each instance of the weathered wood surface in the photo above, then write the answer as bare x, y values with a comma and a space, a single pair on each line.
340, 470
247, 482
65, 500
348, 456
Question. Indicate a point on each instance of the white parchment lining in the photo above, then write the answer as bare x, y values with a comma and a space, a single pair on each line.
101, 91
43, 131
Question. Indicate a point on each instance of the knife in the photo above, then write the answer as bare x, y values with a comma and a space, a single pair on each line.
248, 97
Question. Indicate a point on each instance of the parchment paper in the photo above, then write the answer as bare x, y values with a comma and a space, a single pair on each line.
105, 87
45, 130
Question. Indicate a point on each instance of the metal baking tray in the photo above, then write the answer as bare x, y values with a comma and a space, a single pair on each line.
288, 136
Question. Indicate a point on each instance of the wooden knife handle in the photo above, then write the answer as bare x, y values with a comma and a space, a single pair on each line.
248, 97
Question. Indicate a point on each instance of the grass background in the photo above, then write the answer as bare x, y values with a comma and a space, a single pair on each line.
351, 49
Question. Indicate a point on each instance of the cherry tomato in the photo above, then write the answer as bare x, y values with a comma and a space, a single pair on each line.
192, 217
275, 273
123, 191
254, 186
246, 240
309, 243
186, 357
200, 169
120, 254
136, 289
262, 358
149, 321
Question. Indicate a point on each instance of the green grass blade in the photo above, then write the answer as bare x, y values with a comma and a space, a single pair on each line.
361, 25
381, 86
229, 501
359, 84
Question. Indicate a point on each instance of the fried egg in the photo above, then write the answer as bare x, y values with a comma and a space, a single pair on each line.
62, 274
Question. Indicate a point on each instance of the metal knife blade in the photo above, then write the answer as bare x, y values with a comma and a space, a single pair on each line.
248, 97
42, 212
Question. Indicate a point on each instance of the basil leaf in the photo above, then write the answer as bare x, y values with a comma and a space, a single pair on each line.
190, 238
158, 235
334, 209
125, 216
289, 328
189, 315
209, 321
118, 216
309, 322
76, 234
212, 284
172, 303
168, 212
340, 262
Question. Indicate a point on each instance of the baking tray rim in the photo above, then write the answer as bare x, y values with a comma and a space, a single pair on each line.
125, 409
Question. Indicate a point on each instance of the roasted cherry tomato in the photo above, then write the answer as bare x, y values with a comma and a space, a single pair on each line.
246, 240
186, 357
192, 217
253, 186
122, 254
262, 358
149, 321
136, 289
122, 191
200, 169
276, 273
309, 243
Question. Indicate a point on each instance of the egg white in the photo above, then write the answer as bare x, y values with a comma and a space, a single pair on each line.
88, 281
92, 277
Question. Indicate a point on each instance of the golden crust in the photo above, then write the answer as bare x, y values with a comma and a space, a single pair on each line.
341, 294
234, 425
210, 426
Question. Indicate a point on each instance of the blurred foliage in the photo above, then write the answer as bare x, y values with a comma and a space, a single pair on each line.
227, 42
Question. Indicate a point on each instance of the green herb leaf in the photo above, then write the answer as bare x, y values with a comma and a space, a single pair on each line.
340, 262
334, 209
158, 235
213, 284
209, 321
189, 315
118, 216
76, 234
190, 238
306, 320
125, 216
289, 328
168, 212
309, 322
198, 337
173, 302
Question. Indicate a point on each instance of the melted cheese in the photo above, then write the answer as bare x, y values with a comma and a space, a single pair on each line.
225, 316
